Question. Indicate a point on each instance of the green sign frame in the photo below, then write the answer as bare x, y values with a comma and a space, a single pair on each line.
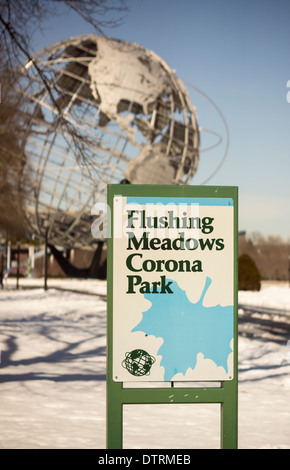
226, 393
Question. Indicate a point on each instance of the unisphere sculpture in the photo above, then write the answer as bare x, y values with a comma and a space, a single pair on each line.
108, 110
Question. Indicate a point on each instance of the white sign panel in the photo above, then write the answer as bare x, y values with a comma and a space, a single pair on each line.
173, 291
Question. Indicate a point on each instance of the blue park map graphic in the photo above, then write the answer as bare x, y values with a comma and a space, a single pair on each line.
187, 329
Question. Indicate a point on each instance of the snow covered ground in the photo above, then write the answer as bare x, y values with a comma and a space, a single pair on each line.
52, 377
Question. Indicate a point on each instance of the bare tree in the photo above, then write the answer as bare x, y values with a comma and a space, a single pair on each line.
19, 21
269, 253
13, 185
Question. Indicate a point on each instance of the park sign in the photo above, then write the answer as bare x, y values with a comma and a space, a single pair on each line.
172, 283
172, 301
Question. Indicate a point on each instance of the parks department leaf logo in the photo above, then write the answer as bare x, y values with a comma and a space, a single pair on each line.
138, 362
188, 329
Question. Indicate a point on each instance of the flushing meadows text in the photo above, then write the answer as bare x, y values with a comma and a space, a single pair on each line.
136, 263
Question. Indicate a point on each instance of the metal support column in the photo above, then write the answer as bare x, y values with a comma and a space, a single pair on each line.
45, 261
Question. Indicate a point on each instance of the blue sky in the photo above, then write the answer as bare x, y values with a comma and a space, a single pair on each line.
238, 55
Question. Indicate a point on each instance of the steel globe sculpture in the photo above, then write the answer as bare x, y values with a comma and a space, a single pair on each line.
109, 110
97, 111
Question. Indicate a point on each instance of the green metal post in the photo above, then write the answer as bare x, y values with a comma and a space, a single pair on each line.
229, 417
114, 416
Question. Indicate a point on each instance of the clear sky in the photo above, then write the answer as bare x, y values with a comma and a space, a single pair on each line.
238, 55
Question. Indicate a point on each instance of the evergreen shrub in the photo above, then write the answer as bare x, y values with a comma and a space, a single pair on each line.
249, 277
